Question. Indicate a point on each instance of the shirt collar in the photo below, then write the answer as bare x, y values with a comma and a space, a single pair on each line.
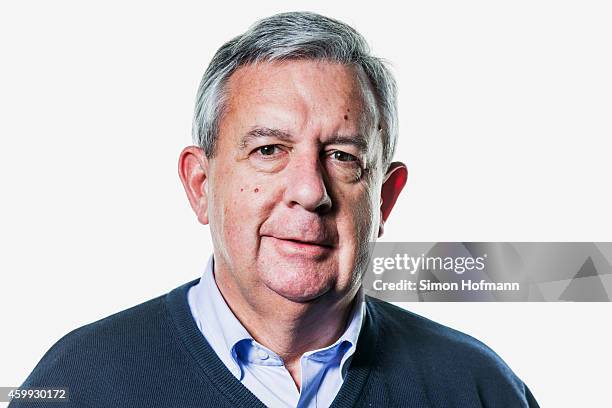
224, 331
216, 321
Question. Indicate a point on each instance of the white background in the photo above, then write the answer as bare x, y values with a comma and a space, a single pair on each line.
505, 127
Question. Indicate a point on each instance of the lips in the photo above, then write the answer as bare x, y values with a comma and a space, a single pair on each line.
311, 230
290, 247
302, 241
299, 235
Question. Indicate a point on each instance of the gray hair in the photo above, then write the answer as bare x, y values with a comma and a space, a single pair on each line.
287, 36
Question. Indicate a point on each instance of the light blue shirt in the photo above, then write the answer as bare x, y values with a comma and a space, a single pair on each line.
260, 369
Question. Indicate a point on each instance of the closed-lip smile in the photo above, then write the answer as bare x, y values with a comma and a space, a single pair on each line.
296, 246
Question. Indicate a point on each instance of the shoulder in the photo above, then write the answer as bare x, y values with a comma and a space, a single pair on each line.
116, 330
441, 357
403, 328
113, 355
102, 342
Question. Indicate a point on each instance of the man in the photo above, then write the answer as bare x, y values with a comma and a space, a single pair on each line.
295, 126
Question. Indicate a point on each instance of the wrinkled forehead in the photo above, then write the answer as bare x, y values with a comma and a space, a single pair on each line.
317, 87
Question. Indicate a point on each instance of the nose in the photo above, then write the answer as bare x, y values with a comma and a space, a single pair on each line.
306, 185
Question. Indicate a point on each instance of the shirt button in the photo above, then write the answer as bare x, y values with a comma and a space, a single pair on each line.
262, 354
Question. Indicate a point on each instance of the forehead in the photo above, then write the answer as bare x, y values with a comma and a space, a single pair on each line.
302, 91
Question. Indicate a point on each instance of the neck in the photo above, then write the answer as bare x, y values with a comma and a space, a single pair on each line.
287, 327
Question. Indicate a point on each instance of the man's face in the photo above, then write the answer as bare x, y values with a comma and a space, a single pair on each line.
294, 184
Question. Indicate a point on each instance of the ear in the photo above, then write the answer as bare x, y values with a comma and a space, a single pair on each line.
193, 171
394, 182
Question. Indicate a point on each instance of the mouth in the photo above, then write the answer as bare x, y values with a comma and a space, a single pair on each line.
298, 247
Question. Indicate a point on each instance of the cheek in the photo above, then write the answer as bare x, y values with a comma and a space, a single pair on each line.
241, 208
359, 216
364, 220
357, 226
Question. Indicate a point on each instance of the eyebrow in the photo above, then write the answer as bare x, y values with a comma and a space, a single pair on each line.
258, 132
358, 141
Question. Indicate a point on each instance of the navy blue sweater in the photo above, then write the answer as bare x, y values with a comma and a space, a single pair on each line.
153, 355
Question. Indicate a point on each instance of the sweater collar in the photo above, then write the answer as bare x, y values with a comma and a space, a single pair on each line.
231, 340
186, 330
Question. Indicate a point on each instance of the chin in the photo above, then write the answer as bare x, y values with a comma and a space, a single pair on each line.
298, 285
298, 296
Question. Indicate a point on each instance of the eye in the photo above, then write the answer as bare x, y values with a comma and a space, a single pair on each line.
267, 150
269, 158
343, 156
344, 166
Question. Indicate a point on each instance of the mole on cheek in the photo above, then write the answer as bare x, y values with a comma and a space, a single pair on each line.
345, 117
256, 190
242, 189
